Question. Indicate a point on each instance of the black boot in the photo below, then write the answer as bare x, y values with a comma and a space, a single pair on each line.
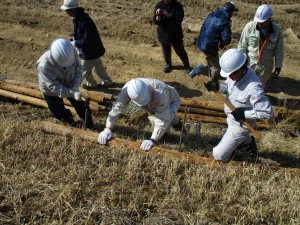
68, 117
251, 148
167, 68
177, 126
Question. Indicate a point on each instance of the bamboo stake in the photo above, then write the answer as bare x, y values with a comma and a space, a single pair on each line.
212, 105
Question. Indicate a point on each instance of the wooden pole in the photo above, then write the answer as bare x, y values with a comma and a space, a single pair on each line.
29, 91
207, 112
29, 100
212, 105
126, 145
94, 95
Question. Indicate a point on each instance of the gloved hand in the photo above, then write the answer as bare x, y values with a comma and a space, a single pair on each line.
104, 136
147, 145
238, 114
277, 71
77, 96
210, 86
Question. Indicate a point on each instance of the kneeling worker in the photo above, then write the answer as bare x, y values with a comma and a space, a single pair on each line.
60, 75
245, 92
155, 97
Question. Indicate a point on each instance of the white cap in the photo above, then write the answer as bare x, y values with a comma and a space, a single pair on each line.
138, 91
70, 4
62, 52
232, 60
263, 13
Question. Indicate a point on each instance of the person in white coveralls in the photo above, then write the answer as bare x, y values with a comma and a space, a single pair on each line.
155, 97
245, 92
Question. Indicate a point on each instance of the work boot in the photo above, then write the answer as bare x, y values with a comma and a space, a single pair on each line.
68, 117
251, 148
177, 126
167, 68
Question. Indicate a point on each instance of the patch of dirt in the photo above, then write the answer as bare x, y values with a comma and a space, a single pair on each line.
28, 27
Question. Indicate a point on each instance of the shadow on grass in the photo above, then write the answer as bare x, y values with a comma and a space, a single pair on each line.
282, 159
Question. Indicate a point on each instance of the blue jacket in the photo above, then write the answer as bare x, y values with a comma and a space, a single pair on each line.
215, 30
87, 37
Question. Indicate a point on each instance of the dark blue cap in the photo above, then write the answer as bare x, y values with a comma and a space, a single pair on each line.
230, 7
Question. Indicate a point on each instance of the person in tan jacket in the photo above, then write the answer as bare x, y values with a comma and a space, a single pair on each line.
262, 41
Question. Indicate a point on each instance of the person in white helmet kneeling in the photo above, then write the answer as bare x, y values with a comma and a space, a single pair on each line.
244, 91
155, 97
60, 75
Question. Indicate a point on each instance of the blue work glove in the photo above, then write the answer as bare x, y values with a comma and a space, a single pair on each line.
238, 114
104, 136
147, 145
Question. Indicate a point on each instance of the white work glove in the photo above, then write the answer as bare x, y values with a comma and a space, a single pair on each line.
77, 96
104, 136
147, 145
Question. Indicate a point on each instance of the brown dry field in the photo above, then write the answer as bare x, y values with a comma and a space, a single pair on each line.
48, 179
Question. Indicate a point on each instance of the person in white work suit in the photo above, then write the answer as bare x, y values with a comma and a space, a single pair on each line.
262, 41
154, 96
60, 75
245, 92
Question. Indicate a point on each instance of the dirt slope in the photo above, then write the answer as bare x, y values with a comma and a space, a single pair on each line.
28, 27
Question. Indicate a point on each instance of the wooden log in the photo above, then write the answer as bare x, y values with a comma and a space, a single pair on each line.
94, 95
212, 105
126, 145
37, 94
29, 100
217, 120
207, 112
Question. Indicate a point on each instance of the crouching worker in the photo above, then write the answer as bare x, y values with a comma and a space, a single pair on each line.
60, 75
155, 97
245, 92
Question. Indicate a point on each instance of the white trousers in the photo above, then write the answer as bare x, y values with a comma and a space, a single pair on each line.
235, 135
88, 66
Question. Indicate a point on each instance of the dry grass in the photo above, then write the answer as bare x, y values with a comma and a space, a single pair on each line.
48, 179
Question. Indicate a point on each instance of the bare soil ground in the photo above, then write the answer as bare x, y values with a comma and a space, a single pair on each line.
54, 180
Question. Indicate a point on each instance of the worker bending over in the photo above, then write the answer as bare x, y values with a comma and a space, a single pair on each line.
155, 97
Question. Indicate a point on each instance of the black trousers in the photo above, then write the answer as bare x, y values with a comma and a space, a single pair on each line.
57, 108
179, 49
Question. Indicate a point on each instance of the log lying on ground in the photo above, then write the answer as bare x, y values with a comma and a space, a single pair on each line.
28, 91
94, 96
212, 105
215, 119
11, 88
207, 112
29, 100
127, 145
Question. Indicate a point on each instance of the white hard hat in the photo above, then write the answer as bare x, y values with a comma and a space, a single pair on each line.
231, 61
263, 13
62, 52
70, 4
138, 91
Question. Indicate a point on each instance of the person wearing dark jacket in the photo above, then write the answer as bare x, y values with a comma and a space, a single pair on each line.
215, 33
168, 15
87, 41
